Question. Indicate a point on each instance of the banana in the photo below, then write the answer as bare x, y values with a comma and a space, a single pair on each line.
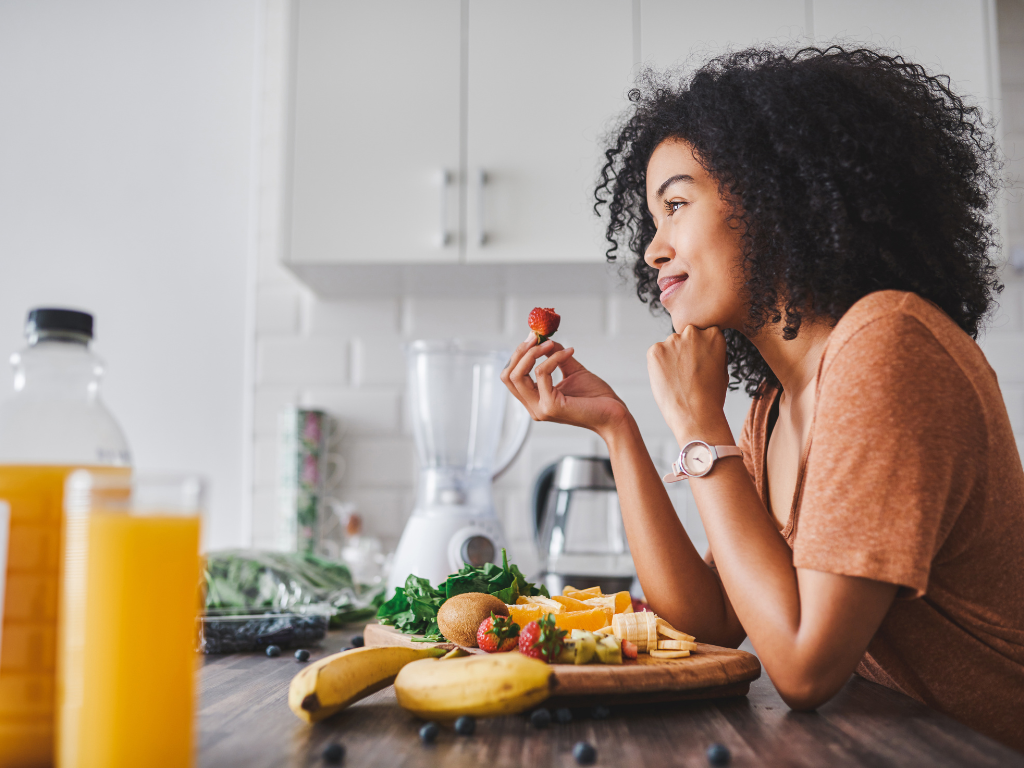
479, 685
332, 683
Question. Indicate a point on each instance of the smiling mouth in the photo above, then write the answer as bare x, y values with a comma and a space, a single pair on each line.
669, 285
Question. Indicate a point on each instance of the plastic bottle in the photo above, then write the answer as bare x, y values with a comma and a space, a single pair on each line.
53, 424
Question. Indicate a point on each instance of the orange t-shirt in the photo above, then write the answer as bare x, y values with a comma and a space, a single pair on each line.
911, 477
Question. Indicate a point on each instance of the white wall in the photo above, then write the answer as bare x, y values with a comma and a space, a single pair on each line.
125, 149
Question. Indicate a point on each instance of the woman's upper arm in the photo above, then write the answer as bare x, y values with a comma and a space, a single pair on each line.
838, 617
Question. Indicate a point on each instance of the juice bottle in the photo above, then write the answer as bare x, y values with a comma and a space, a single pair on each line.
54, 423
130, 603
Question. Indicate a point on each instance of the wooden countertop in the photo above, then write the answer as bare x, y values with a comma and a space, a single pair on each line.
244, 720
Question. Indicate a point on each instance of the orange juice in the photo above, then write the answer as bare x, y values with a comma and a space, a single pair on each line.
28, 645
128, 657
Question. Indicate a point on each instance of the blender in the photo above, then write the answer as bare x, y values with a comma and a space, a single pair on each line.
458, 410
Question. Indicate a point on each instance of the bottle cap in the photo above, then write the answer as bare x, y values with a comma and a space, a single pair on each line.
67, 322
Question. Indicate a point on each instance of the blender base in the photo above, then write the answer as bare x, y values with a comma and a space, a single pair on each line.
438, 542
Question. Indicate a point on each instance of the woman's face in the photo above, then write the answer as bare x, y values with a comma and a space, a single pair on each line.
697, 254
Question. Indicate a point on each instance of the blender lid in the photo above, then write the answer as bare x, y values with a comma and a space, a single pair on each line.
456, 347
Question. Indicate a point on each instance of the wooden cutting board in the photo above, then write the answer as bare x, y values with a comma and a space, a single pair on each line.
710, 672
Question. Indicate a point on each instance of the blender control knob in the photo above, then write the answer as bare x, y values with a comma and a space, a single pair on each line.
478, 550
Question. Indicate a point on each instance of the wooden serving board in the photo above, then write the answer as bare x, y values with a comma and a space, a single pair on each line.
709, 673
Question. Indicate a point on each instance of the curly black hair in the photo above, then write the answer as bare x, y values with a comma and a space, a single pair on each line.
850, 171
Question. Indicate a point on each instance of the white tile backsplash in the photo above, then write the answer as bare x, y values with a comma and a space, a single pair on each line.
302, 361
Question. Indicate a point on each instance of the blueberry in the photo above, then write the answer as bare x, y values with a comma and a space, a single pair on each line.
600, 713
302, 655
428, 733
358, 642
465, 725
718, 754
273, 651
334, 753
563, 715
348, 648
584, 753
540, 718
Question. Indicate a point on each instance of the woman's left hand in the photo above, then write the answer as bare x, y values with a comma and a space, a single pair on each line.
689, 380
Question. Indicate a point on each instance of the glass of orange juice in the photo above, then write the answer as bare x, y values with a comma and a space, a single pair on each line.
126, 667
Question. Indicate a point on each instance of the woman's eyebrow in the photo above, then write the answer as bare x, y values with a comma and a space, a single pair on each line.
672, 180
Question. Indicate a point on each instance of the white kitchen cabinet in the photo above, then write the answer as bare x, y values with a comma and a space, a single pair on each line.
376, 136
683, 33
545, 82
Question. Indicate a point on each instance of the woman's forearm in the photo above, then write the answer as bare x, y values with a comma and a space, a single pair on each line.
677, 582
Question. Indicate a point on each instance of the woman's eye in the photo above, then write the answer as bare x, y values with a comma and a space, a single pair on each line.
671, 206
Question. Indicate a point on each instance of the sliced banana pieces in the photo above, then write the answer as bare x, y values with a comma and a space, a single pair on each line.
653, 635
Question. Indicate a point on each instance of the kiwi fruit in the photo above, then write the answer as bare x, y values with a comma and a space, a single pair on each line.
461, 616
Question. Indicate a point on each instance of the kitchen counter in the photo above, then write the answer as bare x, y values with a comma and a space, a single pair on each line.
245, 721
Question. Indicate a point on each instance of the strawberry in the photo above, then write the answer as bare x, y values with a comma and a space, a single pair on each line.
497, 634
543, 322
628, 649
541, 639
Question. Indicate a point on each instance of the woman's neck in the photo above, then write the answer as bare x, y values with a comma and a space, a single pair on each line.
794, 362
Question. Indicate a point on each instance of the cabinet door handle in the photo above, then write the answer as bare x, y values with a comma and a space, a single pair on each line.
481, 232
444, 236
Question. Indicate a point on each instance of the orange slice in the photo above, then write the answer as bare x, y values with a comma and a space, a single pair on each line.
571, 603
524, 614
623, 602
592, 591
591, 620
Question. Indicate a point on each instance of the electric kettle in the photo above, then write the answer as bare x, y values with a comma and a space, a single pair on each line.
578, 526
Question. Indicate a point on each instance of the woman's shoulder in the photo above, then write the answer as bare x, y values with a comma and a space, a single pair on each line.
888, 325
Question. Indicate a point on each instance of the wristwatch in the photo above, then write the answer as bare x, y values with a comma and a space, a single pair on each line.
697, 458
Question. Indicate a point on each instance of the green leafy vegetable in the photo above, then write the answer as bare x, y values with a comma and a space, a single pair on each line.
251, 580
413, 609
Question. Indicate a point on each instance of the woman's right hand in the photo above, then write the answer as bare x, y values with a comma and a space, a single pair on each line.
580, 398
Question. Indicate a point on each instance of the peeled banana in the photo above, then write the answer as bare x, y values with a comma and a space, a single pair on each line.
332, 683
480, 685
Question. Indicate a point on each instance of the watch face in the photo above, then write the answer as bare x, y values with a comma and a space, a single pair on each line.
696, 459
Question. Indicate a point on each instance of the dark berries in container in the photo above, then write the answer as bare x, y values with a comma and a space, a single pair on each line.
718, 754
465, 725
273, 651
584, 753
302, 655
358, 641
540, 718
334, 753
600, 713
428, 733
563, 715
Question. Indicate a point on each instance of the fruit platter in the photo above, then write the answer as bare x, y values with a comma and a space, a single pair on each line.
488, 643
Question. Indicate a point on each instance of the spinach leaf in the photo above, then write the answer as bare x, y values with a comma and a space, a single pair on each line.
413, 609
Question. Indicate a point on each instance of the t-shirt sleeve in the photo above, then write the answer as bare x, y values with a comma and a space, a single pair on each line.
898, 441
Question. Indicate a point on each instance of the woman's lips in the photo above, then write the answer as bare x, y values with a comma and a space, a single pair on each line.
670, 285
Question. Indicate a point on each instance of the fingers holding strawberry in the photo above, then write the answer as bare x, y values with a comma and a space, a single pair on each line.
580, 398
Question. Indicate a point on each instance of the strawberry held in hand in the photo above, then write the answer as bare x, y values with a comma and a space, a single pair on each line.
497, 634
543, 322
541, 639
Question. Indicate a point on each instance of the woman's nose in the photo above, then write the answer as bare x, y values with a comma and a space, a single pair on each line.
659, 252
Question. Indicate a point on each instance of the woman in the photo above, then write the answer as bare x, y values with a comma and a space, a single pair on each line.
815, 224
